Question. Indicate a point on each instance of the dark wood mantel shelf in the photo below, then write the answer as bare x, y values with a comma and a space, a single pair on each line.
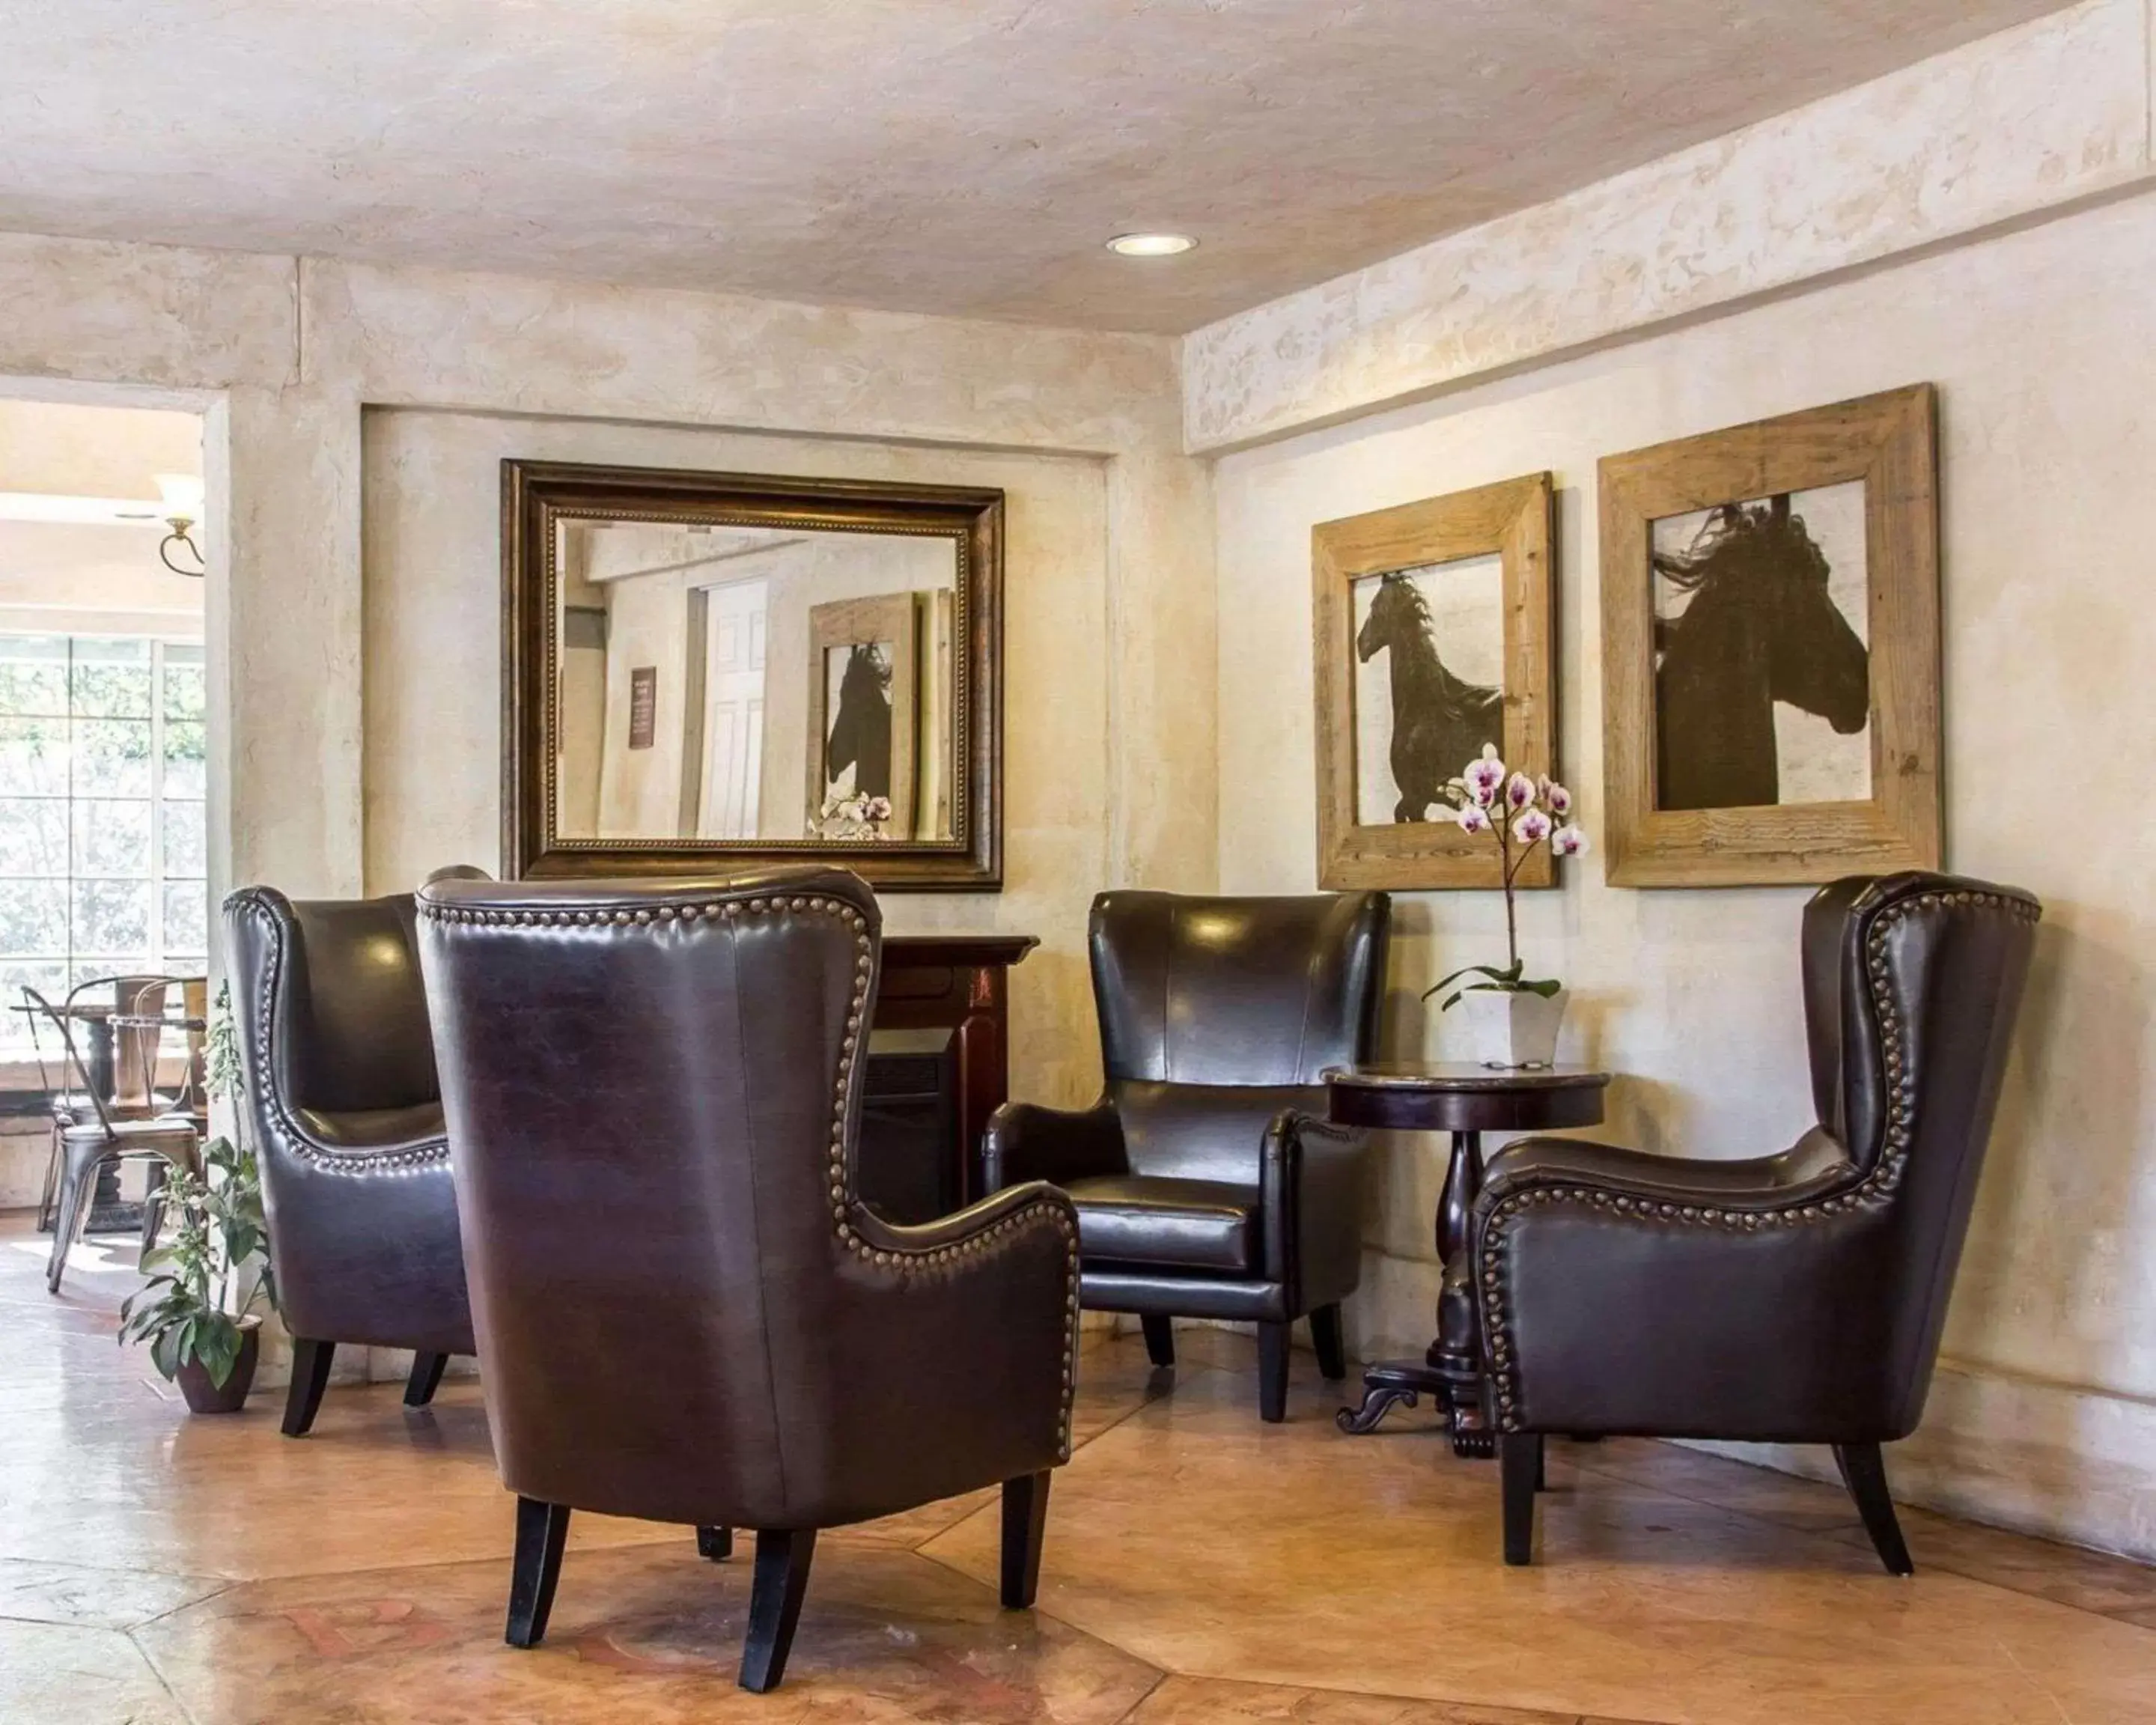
958, 984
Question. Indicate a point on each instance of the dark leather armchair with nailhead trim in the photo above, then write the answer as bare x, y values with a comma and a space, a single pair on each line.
1796, 1298
345, 1115
1207, 1180
684, 1312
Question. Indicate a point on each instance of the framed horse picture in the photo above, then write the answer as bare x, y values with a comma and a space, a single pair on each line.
1433, 634
1770, 629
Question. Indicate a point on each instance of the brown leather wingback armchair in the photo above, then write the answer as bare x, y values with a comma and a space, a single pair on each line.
684, 1311
347, 1117
1796, 1298
1206, 1183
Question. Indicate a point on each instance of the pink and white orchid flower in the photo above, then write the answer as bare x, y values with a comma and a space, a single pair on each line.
1484, 776
1519, 811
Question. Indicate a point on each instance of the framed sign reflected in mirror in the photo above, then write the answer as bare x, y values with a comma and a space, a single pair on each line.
705, 668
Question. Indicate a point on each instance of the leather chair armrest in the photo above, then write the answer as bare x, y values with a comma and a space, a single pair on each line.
1309, 1195
987, 1337
1011, 1203
1815, 1165
1710, 1320
1025, 1142
1641, 1292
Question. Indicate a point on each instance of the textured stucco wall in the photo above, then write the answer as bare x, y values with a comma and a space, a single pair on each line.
2015, 123
283, 358
282, 355
433, 597
2040, 343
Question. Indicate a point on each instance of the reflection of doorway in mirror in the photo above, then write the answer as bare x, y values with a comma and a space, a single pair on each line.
736, 630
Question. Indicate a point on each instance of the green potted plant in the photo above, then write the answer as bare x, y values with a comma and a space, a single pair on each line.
198, 1309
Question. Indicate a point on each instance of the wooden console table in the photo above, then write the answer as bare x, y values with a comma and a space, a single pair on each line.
959, 984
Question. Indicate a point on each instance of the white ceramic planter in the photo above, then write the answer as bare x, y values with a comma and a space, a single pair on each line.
1514, 1030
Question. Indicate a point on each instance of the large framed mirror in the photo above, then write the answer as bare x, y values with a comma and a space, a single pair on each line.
703, 668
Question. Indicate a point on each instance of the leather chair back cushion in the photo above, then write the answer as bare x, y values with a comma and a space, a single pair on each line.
1236, 991
356, 1036
641, 1122
1203, 1131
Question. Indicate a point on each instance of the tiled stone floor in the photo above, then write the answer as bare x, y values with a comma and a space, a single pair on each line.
158, 1569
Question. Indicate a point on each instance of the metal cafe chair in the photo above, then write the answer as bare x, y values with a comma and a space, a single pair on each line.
82, 1146
137, 1042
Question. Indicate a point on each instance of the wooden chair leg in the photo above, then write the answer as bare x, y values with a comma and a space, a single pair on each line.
541, 1528
1864, 1471
1272, 1373
716, 1543
427, 1369
311, 1377
1160, 1338
776, 1590
1520, 1464
1025, 1522
1332, 1345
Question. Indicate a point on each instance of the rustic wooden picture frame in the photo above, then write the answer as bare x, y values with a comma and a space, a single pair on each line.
1510, 520
1889, 442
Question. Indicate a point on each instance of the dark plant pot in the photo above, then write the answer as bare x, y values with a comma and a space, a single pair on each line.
204, 1397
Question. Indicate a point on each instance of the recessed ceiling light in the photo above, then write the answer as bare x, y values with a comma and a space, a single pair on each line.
1150, 245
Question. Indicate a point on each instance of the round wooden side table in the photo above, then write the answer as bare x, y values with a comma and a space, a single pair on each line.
1465, 1100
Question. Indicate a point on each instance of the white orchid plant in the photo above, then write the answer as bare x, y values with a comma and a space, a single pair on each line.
1521, 813
854, 816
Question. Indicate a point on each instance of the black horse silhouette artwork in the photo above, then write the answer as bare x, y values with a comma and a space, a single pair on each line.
1440, 721
860, 723
1761, 627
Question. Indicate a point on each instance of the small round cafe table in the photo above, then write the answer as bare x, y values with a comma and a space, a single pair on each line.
1465, 1100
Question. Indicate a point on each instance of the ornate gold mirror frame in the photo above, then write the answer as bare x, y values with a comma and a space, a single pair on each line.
538, 498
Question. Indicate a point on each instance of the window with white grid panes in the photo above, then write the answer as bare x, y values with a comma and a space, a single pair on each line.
102, 759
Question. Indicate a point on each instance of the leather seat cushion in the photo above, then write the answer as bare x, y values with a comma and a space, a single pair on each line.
1193, 1224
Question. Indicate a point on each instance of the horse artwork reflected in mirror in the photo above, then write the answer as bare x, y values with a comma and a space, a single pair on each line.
1749, 632
1438, 720
860, 732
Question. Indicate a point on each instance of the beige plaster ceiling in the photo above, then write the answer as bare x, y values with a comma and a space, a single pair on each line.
967, 157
